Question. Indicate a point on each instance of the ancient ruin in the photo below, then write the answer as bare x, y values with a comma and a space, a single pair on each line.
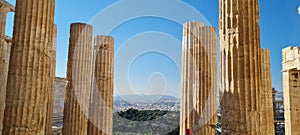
240, 66
186, 93
5, 8
59, 96
31, 96
51, 84
26, 94
5, 45
101, 102
198, 85
266, 96
291, 89
78, 80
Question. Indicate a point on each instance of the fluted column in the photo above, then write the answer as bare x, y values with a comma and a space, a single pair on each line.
205, 85
187, 77
50, 103
266, 104
101, 102
240, 66
4, 57
26, 94
5, 45
78, 80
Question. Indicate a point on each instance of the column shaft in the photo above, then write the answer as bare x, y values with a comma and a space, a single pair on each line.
240, 66
50, 103
101, 102
187, 78
26, 95
266, 98
5, 46
205, 86
78, 80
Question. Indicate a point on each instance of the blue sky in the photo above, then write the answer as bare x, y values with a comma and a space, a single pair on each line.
279, 22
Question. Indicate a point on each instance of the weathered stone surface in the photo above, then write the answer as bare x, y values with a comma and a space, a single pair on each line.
59, 96
187, 78
291, 58
205, 85
240, 66
266, 96
101, 102
79, 74
51, 84
198, 85
26, 94
5, 45
4, 64
291, 89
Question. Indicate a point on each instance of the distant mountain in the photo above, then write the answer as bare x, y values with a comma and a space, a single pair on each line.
144, 98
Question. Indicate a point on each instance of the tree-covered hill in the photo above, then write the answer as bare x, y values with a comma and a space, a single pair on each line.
150, 122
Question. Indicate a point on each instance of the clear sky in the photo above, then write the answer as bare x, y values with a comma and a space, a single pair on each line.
279, 22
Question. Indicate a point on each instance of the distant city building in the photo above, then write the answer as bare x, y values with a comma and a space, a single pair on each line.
278, 112
291, 89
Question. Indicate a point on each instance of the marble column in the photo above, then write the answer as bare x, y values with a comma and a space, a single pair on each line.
266, 96
5, 57
101, 102
26, 93
52, 76
5, 46
199, 102
240, 66
205, 85
187, 77
79, 74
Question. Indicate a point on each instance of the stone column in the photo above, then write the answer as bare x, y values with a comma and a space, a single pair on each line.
4, 55
101, 102
50, 103
205, 85
26, 94
240, 66
187, 77
266, 96
78, 80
